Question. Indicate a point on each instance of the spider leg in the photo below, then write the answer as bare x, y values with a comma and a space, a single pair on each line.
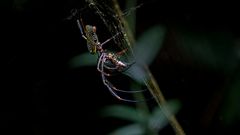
113, 67
109, 39
121, 52
125, 91
128, 65
81, 29
101, 61
112, 89
116, 68
120, 68
110, 68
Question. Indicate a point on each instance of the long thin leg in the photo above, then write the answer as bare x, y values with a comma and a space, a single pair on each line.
114, 93
81, 29
110, 68
100, 62
113, 87
109, 39
122, 51
110, 88
128, 65
125, 91
116, 68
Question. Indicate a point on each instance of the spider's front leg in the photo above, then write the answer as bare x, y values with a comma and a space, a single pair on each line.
81, 29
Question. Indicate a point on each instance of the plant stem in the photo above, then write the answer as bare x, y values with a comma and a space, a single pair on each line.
151, 82
158, 95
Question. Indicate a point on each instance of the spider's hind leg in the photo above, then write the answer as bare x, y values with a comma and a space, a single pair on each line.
115, 91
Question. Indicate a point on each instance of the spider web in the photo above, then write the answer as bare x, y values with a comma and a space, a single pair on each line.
113, 25
103, 9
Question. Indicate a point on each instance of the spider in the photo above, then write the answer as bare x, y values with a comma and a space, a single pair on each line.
106, 60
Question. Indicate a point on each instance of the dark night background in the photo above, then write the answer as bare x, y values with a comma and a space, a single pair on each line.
40, 94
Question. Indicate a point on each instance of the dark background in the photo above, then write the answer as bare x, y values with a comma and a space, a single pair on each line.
40, 94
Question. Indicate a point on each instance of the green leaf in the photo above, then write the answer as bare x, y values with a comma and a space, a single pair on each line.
123, 112
84, 59
137, 73
158, 119
149, 44
133, 129
145, 51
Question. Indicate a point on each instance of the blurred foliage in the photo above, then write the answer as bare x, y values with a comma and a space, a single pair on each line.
85, 59
219, 52
214, 50
142, 123
231, 109
149, 44
145, 50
